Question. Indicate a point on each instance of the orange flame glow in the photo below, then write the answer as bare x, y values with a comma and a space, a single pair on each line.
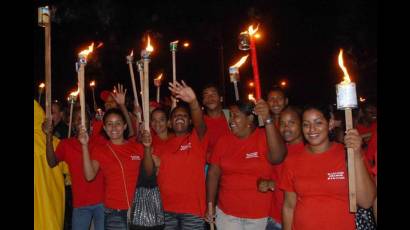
132, 53
251, 84
240, 62
251, 97
74, 94
149, 48
186, 44
99, 45
87, 51
362, 99
159, 77
92, 83
252, 31
42, 85
346, 77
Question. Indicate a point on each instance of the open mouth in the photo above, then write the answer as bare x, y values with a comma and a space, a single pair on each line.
179, 121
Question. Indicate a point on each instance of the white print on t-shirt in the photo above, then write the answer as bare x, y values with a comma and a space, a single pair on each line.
135, 158
185, 147
336, 175
252, 155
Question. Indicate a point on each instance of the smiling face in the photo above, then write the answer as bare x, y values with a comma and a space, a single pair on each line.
114, 127
316, 129
277, 101
159, 122
239, 122
180, 121
211, 99
290, 127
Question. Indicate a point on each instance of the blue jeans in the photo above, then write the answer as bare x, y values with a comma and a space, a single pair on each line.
115, 219
183, 221
273, 225
82, 217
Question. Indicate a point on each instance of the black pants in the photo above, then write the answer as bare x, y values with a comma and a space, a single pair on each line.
68, 208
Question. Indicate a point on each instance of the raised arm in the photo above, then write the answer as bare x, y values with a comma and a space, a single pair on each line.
365, 187
276, 145
185, 93
147, 161
90, 167
47, 127
119, 97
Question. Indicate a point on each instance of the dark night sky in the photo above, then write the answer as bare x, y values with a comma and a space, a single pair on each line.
300, 42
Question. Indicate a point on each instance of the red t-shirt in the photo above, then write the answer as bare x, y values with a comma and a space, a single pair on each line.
84, 193
242, 163
216, 127
96, 135
278, 195
181, 176
320, 182
130, 154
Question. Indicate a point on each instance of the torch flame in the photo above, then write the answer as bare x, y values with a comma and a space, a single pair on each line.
240, 62
92, 83
87, 51
149, 47
346, 77
132, 53
99, 45
175, 42
42, 85
159, 77
74, 94
251, 31
250, 97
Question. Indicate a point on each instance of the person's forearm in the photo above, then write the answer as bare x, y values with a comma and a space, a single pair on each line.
89, 171
287, 218
276, 146
365, 187
197, 118
128, 120
148, 162
50, 155
212, 181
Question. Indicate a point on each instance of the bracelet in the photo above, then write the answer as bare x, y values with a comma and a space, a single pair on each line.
268, 121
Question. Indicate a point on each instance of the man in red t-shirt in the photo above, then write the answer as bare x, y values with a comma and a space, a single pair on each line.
277, 101
181, 176
87, 196
214, 117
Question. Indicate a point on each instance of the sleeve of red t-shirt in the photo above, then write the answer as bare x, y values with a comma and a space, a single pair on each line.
286, 183
60, 151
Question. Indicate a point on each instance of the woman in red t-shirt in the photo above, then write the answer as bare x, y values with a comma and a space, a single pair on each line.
161, 134
87, 205
181, 176
239, 159
290, 127
315, 181
119, 160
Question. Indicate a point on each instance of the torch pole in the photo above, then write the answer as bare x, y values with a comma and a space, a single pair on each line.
71, 118
210, 208
82, 97
235, 84
146, 93
351, 165
95, 104
134, 89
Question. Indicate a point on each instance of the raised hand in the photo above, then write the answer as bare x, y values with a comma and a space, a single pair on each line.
47, 126
262, 109
146, 138
83, 136
182, 91
119, 95
353, 140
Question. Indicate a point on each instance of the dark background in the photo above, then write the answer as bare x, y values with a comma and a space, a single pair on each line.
300, 43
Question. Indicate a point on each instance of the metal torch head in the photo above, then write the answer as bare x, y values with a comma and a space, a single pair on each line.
43, 16
130, 59
173, 46
82, 59
244, 41
234, 74
145, 55
346, 96
140, 65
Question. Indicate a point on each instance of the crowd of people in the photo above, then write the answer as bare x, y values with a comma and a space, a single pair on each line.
254, 165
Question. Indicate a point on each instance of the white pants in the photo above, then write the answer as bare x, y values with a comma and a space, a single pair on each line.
227, 222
